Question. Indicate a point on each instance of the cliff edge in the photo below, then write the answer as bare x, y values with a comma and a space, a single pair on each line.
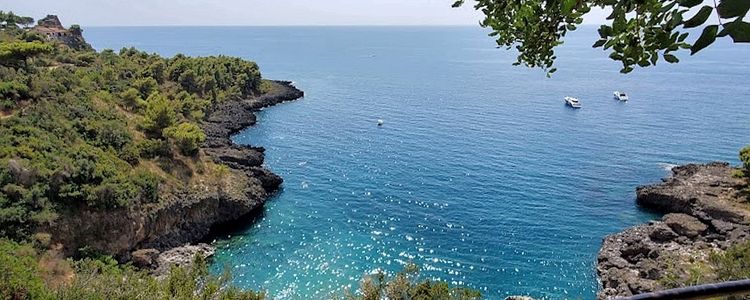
187, 215
705, 213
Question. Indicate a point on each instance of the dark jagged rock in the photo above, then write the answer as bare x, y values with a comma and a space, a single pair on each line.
237, 157
705, 191
188, 214
704, 213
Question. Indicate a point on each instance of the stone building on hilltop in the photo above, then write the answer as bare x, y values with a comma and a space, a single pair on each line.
52, 29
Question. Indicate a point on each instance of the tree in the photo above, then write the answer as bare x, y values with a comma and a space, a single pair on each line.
75, 29
26, 22
131, 99
15, 53
638, 33
146, 86
187, 137
159, 115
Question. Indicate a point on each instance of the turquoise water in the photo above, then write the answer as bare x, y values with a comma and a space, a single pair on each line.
480, 174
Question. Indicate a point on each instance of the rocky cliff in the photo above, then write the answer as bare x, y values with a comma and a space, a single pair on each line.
704, 212
186, 215
52, 29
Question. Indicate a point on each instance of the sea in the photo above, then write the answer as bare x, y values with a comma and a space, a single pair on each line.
479, 174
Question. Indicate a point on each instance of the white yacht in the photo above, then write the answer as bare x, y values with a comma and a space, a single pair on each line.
621, 96
572, 102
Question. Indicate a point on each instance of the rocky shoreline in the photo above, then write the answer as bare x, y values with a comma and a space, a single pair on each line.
159, 234
704, 213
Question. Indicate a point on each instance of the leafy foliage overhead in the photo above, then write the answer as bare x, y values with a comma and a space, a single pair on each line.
638, 32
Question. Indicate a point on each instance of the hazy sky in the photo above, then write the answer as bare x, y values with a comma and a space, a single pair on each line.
250, 12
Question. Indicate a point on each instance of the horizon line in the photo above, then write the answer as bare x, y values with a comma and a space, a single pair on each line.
311, 25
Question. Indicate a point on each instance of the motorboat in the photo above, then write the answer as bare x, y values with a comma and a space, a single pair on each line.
572, 102
621, 96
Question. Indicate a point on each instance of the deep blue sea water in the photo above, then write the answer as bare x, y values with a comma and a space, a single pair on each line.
480, 174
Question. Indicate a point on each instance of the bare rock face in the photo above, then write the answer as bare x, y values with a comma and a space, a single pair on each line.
683, 224
704, 214
145, 258
182, 257
51, 21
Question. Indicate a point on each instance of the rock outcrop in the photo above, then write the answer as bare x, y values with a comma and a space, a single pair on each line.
188, 214
704, 213
52, 29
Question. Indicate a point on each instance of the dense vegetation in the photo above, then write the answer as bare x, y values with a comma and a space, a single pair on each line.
638, 32
26, 273
406, 285
100, 129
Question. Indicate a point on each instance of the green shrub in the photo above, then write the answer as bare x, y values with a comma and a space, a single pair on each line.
159, 114
148, 185
407, 285
745, 159
131, 154
131, 100
14, 90
22, 277
19, 273
153, 148
733, 264
187, 137
146, 86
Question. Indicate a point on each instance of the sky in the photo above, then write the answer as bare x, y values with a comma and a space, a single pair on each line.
252, 12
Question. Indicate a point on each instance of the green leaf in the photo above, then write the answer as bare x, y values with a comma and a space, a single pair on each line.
615, 56
568, 6
599, 43
620, 23
668, 7
689, 3
671, 58
733, 8
699, 18
707, 38
682, 37
739, 31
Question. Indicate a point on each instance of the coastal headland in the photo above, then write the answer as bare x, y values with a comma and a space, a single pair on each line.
188, 216
705, 214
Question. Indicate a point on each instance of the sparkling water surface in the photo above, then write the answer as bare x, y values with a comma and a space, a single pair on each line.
480, 174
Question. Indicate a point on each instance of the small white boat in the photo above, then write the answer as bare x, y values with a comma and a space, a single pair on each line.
381, 122
572, 102
621, 96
